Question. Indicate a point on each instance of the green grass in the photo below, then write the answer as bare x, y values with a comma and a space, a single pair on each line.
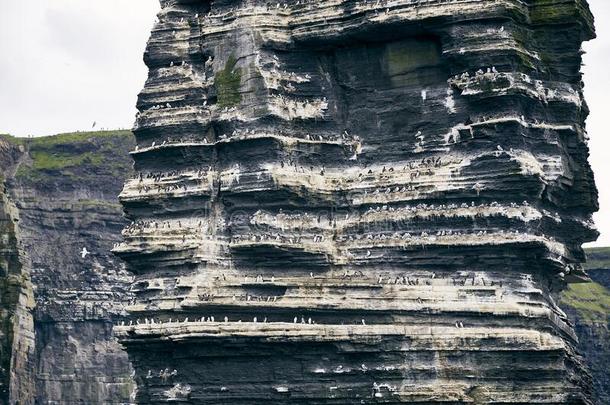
10, 139
57, 161
65, 138
590, 300
74, 137
64, 153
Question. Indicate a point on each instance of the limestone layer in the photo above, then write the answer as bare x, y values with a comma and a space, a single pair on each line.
359, 202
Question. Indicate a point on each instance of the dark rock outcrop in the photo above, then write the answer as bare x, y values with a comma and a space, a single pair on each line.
359, 202
16, 298
61, 193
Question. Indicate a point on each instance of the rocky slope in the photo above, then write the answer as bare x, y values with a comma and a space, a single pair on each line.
589, 306
359, 202
61, 193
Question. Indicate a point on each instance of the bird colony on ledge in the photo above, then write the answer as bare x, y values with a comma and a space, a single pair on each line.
352, 202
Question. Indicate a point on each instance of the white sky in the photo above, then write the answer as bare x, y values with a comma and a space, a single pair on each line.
68, 63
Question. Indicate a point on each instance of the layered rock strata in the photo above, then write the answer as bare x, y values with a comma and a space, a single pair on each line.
64, 219
359, 202
588, 304
16, 299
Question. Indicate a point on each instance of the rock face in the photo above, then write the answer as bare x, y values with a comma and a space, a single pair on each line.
343, 201
60, 197
359, 202
16, 299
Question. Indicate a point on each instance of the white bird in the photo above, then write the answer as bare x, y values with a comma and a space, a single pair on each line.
84, 253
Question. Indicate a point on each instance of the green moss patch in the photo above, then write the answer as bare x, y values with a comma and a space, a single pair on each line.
551, 13
227, 83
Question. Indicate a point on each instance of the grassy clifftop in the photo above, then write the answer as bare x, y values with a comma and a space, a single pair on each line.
67, 160
61, 151
592, 300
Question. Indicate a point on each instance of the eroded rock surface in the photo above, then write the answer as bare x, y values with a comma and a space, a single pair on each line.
63, 217
588, 304
17, 338
359, 202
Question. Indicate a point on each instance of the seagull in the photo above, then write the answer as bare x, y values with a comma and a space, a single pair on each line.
84, 253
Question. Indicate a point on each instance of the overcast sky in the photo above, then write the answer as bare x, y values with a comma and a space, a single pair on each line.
68, 63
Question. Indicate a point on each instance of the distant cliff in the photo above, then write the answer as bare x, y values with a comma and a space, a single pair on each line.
16, 296
59, 219
589, 306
